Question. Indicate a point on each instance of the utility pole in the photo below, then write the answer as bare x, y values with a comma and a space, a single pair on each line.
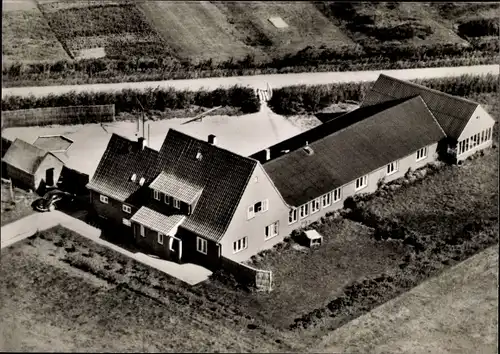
143, 119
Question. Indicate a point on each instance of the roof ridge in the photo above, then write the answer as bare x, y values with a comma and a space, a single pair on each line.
441, 93
432, 115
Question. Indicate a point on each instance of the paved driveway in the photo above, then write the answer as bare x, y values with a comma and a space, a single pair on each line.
25, 227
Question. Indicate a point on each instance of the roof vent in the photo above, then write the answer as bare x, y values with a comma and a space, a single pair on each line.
199, 156
141, 181
308, 150
212, 139
133, 178
268, 154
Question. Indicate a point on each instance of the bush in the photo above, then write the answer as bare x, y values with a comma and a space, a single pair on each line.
129, 100
479, 27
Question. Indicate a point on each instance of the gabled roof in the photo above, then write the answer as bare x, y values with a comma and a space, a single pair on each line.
25, 156
374, 140
121, 159
222, 174
329, 127
453, 113
176, 187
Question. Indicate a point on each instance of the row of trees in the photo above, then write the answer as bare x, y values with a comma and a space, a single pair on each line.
151, 99
310, 99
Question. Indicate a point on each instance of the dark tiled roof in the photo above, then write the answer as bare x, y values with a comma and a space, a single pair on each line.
121, 159
157, 221
176, 187
5, 145
222, 174
452, 112
355, 150
329, 127
24, 156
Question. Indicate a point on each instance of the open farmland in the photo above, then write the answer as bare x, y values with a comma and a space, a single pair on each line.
118, 27
26, 35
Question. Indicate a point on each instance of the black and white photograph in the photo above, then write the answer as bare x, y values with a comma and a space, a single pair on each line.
249, 176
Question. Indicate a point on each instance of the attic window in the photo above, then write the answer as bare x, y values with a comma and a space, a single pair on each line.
308, 150
141, 181
199, 156
133, 178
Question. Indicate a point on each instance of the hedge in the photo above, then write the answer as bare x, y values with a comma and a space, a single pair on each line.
129, 100
310, 99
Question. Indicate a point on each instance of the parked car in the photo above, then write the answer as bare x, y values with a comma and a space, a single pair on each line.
52, 199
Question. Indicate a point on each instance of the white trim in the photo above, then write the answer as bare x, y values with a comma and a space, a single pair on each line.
176, 203
315, 202
423, 154
272, 230
142, 230
203, 243
363, 183
304, 211
160, 236
126, 222
127, 209
104, 199
392, 168
337, 195
250, 212
141, 181
326, 199
293, 215
240, 245
156, 195
166, 199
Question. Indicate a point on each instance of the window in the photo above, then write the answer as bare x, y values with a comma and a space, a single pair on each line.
160, 238
482, 136
326, 199
133, 178
304, 211
361, 183
240, 245
315, 205
488, 134
272, 230
141, 181
167, 199
392, 168
292, 216
126, 222
337, 195
201, 245
177, 203
142, 231
261, 207
421, 153
156, 195
126, 209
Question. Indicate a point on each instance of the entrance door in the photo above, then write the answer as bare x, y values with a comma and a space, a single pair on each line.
49, 177
175, 248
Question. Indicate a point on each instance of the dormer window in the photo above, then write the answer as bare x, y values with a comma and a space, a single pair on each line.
133, 178
141, 181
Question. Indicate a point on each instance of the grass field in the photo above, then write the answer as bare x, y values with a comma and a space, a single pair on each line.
455, 312
26, 35
11, 212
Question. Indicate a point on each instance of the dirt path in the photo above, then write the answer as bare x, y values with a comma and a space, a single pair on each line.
456, 312
25, 227
260, 81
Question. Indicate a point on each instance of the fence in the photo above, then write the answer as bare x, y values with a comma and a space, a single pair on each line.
261, 279
58, 115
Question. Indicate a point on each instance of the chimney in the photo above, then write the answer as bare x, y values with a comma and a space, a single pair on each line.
212, 139
142, 142
268, 154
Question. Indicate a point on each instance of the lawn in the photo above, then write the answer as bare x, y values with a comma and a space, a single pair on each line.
27, 37
50, 305
11, 212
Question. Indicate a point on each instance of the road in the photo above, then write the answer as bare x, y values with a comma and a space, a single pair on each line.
260, 81
27, 226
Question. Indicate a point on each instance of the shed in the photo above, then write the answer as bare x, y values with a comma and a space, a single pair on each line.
312, 238
30, 166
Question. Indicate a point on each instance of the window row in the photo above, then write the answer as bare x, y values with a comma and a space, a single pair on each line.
159, 236
314, 205
167, 199
473, 141
421, 153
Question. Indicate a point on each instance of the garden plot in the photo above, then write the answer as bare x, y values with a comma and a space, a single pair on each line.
114, 26
27, 36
